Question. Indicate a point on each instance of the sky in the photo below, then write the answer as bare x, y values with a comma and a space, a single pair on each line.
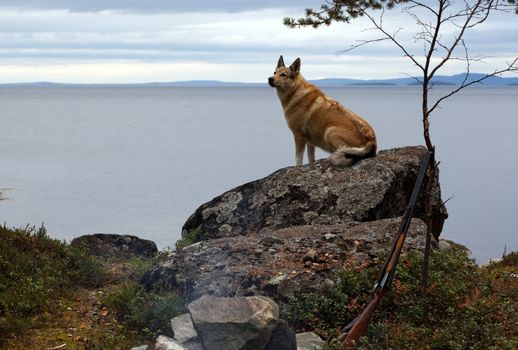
136, 41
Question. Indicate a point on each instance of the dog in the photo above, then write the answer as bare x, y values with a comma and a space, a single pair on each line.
319, 121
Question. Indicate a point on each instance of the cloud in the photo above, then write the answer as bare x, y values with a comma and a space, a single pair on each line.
256, 33
50, 41
155, 6
128, 71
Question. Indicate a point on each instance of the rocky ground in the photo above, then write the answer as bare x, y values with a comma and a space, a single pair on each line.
277, 263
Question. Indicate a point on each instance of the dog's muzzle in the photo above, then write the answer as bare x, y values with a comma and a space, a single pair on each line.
270, 81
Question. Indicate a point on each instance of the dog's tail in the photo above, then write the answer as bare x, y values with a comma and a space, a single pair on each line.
369, 150
346, 155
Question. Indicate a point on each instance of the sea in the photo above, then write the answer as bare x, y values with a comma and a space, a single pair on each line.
140, 160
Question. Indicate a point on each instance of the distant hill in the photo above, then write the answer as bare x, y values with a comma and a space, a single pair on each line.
440, 80
453, 80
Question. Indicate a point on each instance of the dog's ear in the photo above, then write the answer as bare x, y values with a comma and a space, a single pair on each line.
295, 66
280, 62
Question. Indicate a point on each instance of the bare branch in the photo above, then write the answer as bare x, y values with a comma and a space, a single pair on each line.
360, 44
419, 4
392, 38
470, 13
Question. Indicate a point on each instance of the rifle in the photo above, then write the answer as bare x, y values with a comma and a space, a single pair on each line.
359, 325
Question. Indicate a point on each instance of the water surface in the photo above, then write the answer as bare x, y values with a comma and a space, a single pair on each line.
141, 160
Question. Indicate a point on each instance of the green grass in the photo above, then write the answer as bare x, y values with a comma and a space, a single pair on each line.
466, 306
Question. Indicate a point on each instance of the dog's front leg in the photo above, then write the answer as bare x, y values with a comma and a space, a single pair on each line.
300, 145
311, 154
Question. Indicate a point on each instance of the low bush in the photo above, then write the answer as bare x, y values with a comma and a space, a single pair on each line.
465, 307
35, 269
145, 312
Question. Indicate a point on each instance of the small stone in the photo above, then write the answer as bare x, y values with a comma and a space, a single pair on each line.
309, 341
310, 255
310, 216
269, 241
141, 347
329, 284
321, 258
166, 343
444, 245
278, 279
183, 328
225, 228
329, 236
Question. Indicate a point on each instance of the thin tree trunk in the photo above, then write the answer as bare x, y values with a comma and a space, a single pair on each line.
431, 177
428, 213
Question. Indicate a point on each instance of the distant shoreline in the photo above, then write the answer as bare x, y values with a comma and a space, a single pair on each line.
243, 85
452, 80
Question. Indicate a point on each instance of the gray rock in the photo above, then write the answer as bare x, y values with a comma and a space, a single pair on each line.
310, 255
193, 345
309, 341
141, 347
444, 245
246, 267
234, 323
372, 189
166, 343
183, 328
104, 244
283, 338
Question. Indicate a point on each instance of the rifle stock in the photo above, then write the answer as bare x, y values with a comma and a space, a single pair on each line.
359, 325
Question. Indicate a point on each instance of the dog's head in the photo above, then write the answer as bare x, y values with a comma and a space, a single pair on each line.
284, 77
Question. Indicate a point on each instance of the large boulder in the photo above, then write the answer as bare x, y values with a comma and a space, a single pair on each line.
113, 245
372, 189
291, 232
277, 263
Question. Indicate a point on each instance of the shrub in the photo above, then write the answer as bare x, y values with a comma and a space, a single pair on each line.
145, 312
190, 238
461, 309
33, 269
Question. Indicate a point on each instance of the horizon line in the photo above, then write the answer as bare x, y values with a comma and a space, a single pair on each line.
401, 81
